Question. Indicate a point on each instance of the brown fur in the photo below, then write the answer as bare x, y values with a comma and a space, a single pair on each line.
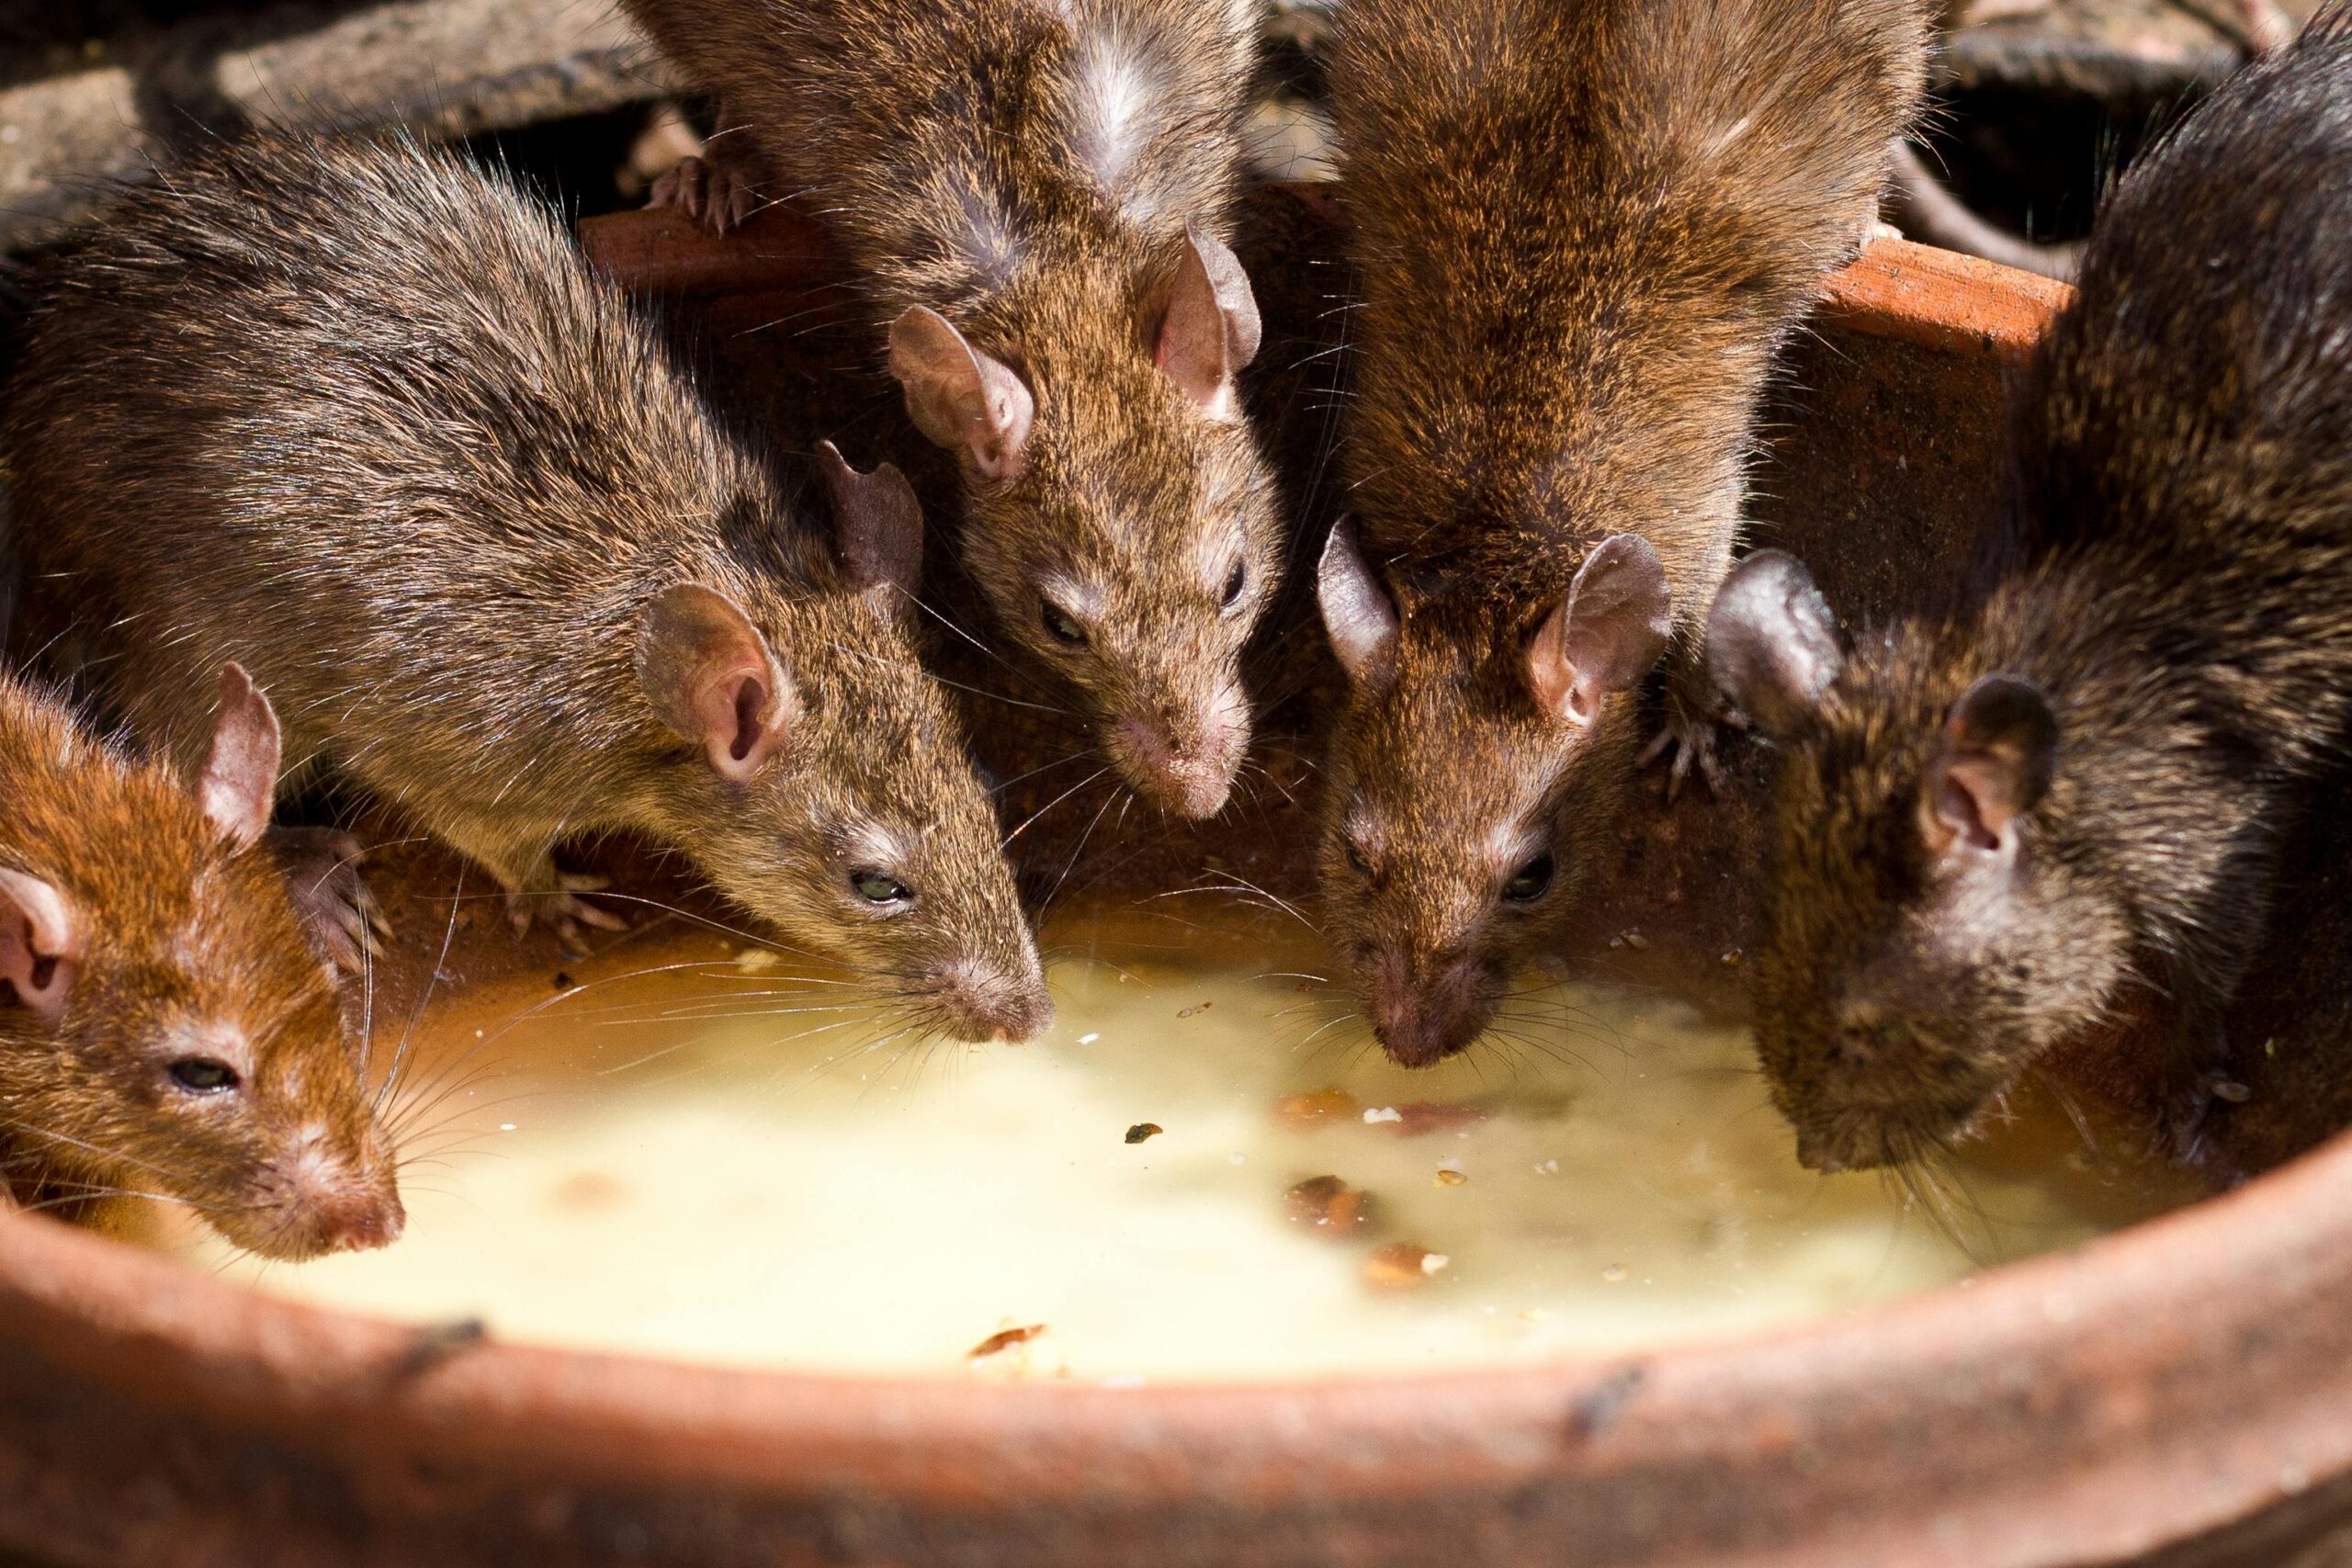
2174, 579
191, 949
956, 149
359, 418
1583, 228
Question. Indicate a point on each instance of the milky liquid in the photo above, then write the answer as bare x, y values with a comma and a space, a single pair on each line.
716, 1162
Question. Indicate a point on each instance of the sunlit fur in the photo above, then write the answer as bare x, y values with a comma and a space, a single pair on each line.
192, 948
1582, 228
1028, 171
2176, 575
358, 417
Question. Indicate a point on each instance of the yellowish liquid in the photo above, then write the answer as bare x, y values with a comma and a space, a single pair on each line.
705, 1152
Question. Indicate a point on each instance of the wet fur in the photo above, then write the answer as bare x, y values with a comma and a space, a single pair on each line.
2175, 572
958, 151
358, 416
184, 934
1583, 228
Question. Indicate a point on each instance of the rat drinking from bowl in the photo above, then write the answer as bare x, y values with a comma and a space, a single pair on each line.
1581, 230
1035, 199
167, 1028
496, 560
2070, 779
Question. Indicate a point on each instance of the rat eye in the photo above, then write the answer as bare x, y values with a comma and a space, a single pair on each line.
204, 1074
880, 887
1531, 881
1061, 624
1355, 857
1235, 583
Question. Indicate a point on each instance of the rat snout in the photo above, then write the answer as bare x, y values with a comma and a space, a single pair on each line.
362, 1222
986, 1005
323, 1200
1427, 1009
1186, 765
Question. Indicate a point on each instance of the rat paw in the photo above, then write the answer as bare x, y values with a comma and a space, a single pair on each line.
717, 191
322, 870
1692, 743
561, 906
2182, 1135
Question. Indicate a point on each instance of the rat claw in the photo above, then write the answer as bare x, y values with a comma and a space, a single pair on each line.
1691, 742
713, 191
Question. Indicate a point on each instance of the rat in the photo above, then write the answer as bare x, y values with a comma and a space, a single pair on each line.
2066, 778
1038, 202
167, 1028
1583, 227
458, 508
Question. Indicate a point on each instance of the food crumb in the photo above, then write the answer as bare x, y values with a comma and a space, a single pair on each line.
1196, 1007
1306, 1109
1549, 1168
753, 960
1733, 958
562, 981
1446, 1178
1637, 941
1385, 1113
1003, 1339
1613, 1274
1331, 1206
1142, 1130
1089, 1037
1401, 1265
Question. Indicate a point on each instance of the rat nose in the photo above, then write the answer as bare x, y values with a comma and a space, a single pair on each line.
361, 1221
1186, 764
1426, 1011
986, 1005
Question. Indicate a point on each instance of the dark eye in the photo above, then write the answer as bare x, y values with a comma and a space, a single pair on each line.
204, 1074
1531, 881
1235, 583
880, 887
1355, 857
1061, 624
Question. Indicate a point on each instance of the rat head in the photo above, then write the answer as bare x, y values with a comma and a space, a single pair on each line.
1926, 937
1470, 787
830, 793
1119, 517
165, 1026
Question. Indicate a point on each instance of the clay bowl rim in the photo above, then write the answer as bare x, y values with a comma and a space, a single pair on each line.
2215, 1402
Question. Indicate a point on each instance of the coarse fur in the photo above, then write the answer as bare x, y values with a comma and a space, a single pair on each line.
1582, 229
357, 415
2071, 778
1050, 179
138, 934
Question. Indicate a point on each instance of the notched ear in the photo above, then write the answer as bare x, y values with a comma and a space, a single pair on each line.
42, 943
962, 398
711, 678
239, 782
877, 523
1210, 328
1771, 642
1357, 611
2000, 750
1605, 635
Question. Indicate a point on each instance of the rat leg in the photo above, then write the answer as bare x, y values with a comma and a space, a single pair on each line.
1692, 728
534, 888
719, 186
321, 869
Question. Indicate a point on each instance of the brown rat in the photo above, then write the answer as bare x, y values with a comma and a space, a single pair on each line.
1583, 226
1036, 200
165, 1027
2069, 779
358, 416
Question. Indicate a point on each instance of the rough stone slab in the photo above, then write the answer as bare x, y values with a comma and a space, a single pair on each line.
448, 67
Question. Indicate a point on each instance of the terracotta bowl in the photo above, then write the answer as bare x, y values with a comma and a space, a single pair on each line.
2178, 1394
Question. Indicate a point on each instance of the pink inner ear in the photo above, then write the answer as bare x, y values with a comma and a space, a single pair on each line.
737, 733
1970, 802
40, 948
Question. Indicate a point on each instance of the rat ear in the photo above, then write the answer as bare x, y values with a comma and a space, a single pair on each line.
959, 397
1357, 613
41, 943
1605, 635
1771, 642
877, 523
2000, 750
1210, 328
239, 782
712, 680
